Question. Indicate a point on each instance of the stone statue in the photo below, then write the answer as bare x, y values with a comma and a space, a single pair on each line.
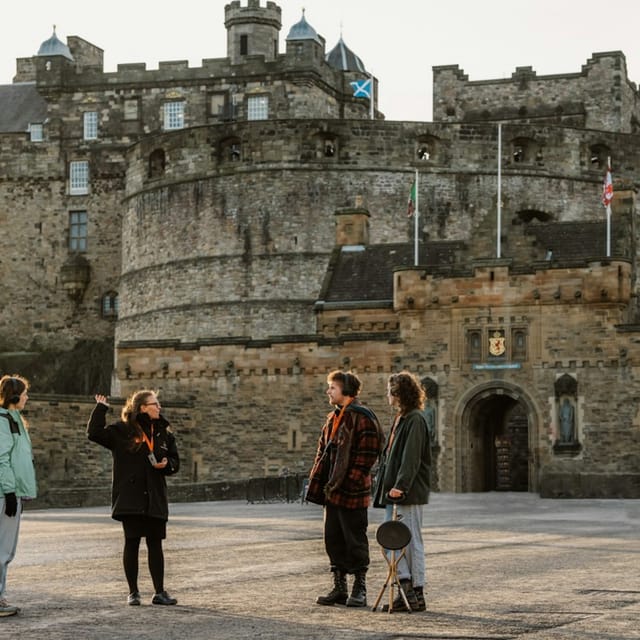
430, 416
567, 422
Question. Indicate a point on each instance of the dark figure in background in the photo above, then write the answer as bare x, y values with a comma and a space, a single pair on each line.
340, 479
144, 452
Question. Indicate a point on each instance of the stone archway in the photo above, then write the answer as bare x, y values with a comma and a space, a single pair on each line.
496, 438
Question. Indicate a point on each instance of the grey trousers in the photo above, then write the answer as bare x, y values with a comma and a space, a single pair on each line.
9, 528
412, 565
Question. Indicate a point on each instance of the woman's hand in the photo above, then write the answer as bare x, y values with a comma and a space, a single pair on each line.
161, 465
100, 399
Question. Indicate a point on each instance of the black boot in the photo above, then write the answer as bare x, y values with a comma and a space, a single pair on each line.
358, 597
412, 599
339, 593
422, 604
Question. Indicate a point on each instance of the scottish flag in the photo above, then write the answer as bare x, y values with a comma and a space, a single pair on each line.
361, 88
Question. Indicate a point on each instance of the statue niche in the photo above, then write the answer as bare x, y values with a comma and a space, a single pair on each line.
566, 397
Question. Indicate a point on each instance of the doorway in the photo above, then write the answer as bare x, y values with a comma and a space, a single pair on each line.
497, 445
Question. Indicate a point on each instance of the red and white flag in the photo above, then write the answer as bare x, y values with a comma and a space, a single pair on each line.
607, 189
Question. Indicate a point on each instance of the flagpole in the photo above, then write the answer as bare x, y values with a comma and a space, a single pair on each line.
371, 99
608, 214
499, 204
416, 215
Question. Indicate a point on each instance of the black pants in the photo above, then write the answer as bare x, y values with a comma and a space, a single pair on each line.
345, 538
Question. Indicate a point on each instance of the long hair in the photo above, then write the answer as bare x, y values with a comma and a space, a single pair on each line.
10, 387
407, 388
129, 415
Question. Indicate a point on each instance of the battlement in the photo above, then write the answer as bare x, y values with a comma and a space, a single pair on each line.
493, 284
607, 98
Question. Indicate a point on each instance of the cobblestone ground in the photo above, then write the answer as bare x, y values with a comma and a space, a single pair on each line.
500, 566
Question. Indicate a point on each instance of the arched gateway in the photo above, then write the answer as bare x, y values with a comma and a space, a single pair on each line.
496, 435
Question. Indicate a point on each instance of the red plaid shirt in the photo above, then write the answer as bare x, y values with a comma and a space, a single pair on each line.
354, 492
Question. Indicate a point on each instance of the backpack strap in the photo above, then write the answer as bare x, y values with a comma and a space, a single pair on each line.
13, 425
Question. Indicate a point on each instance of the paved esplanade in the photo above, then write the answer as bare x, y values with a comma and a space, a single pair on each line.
499, 566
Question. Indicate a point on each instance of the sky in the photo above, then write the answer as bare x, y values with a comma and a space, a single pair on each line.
399, 41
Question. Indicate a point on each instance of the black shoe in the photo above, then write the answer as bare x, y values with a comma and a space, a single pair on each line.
422, 604
133, 599
163, 598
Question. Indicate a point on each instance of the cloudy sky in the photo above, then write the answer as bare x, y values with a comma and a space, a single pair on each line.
399, 41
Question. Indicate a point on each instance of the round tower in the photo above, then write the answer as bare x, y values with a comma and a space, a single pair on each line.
252, 30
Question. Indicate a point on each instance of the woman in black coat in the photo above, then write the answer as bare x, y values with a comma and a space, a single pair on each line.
144, 452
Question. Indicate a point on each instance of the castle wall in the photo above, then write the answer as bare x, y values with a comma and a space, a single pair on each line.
599, 97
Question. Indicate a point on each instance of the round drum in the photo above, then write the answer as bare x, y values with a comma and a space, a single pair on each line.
393, 535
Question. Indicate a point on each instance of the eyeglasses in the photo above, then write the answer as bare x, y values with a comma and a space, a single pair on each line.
147, 404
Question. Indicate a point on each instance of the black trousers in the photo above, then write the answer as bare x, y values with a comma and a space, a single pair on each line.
345, 538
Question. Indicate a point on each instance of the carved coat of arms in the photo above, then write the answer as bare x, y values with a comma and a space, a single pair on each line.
497, 344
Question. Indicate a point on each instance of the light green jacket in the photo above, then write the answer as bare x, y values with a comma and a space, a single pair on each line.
17, 472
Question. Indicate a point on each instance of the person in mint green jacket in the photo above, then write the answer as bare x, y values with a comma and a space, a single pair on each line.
17, 474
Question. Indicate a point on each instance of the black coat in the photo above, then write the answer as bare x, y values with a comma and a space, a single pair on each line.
138, 488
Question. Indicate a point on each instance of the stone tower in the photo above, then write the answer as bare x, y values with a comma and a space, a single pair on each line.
252, 30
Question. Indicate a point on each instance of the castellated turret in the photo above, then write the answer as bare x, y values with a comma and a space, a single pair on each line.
252, 30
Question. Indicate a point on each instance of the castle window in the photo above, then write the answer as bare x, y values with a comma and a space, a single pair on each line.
218, 105
78, 178
474, 346
426, 148
110, 305
258, 108
522, 150
599, 155
156, 163
230, 150
90, 119
244, 45
78, 231
36, 132
131, 108
173, 115
519, 344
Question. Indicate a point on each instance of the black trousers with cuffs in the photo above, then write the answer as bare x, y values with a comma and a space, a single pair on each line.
345, 538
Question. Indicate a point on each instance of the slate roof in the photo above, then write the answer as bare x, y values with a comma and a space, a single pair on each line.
365, 273
342, 58
20, 104
580, 241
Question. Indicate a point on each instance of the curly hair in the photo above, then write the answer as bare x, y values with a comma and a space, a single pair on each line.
407, 388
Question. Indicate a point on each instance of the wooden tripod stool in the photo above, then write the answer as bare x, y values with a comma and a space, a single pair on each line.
393, 536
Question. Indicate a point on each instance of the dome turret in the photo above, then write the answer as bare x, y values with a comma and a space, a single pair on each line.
303, 31
54, 47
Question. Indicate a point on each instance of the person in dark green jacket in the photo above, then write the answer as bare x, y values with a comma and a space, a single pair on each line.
17, 474
404, 477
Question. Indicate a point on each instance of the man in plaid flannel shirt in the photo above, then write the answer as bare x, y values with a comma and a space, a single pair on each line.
349, 445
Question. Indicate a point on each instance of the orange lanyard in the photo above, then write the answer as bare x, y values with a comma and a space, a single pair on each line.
149, 441
393, 432
337, 419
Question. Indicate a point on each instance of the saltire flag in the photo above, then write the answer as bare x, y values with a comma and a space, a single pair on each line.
411, 205
361, 88
607, 189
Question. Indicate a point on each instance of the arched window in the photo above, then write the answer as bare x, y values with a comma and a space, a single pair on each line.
156, 163
599, 155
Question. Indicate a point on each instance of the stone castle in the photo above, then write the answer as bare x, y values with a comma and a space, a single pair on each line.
229, 234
